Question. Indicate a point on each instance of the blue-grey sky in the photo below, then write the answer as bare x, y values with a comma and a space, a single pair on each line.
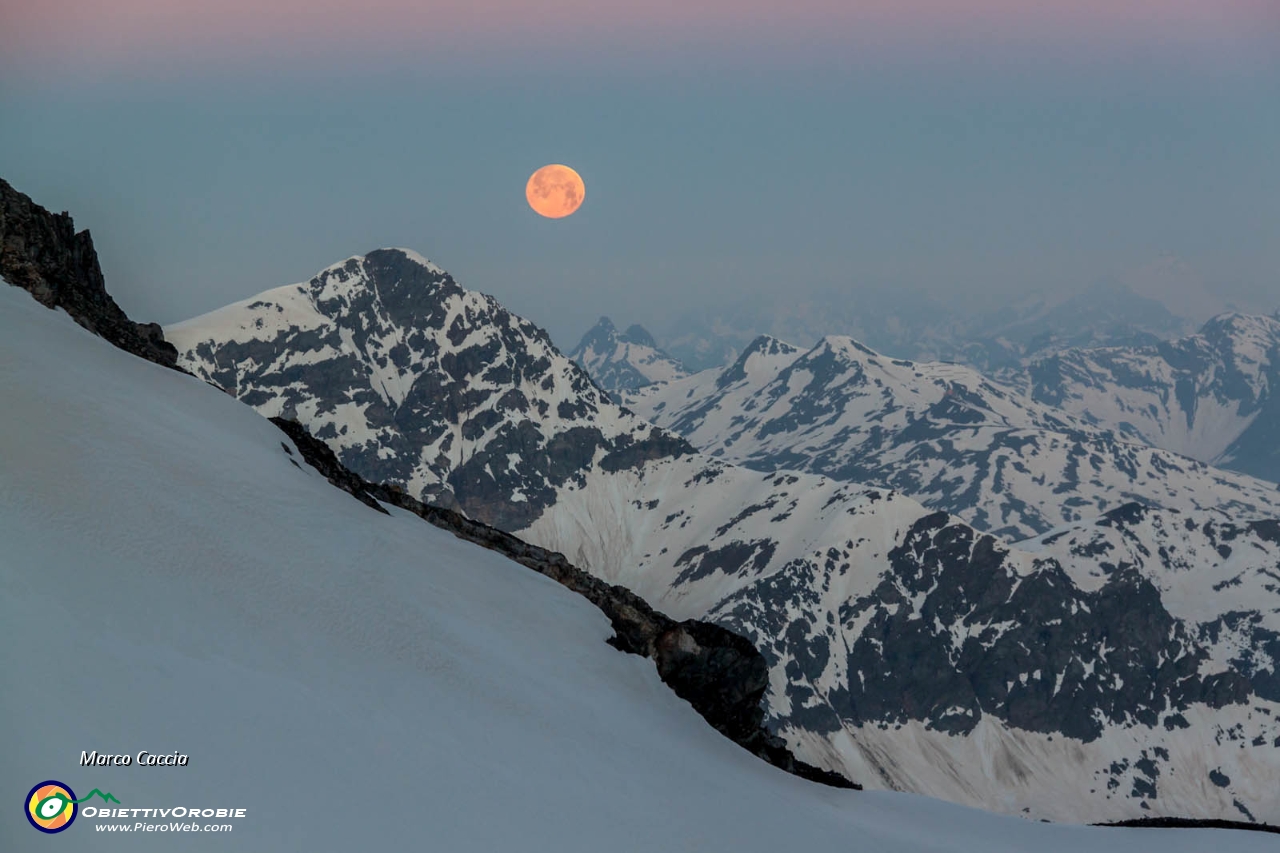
974, 178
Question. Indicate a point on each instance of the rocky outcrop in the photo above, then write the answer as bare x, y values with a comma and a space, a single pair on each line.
1040, 622
1188, 823
42, 253
715, 670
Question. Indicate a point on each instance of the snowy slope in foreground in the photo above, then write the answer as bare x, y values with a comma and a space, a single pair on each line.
356, 682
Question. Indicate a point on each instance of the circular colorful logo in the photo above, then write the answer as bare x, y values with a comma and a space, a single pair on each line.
51, 806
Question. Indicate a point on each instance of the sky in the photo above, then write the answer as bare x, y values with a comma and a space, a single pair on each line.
968, 151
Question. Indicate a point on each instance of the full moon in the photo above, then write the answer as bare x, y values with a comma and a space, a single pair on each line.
555, 191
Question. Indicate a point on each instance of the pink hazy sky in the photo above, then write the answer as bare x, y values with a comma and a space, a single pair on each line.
131, 30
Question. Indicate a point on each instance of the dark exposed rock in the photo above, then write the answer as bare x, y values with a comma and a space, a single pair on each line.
321, 457
1190, 823
1033, 674
701, 562
715, 670
42, 253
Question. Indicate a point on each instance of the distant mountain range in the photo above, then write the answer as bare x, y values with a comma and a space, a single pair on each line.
624, 361
1000, 341
1210, 395
941, 433
1213, 396
907, 649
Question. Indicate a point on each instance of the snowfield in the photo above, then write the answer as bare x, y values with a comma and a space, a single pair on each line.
171, 580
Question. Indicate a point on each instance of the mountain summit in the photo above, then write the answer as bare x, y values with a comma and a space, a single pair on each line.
43, 253
420, 382
624, 361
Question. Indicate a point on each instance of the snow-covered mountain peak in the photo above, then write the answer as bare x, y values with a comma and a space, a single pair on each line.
620, 362
358, 260
1213, 396
421, 383
938, 431
416, 258
761, 360
1236, 324
1249, 343
604, 331
839, 353
844, 345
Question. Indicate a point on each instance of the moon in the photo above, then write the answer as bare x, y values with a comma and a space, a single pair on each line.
555, 191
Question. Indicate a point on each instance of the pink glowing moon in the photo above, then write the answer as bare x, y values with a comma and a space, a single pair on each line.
555, 191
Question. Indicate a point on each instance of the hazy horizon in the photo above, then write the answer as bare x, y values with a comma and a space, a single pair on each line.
969, 156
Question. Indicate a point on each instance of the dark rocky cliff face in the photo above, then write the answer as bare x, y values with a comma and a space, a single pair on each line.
42, 253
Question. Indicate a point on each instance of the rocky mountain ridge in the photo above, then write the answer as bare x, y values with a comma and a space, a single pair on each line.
942, 433
622, 361
43, 253
1213, 396
718, 672
899, 648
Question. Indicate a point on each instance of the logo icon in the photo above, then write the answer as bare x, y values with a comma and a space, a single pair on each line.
51, 806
